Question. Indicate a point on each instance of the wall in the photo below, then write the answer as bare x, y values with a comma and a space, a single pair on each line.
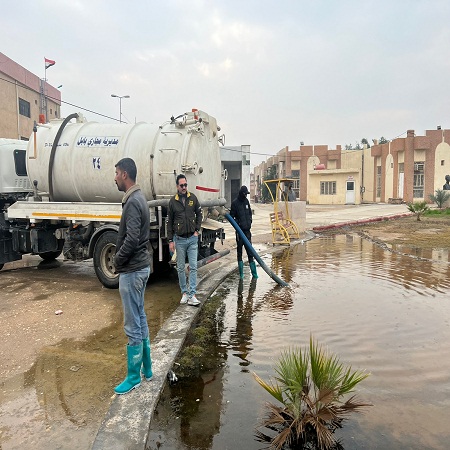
236, 161
442, 164
433, 148
17, 82
340, 176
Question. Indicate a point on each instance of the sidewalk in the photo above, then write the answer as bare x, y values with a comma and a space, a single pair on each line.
127, 421
322, 215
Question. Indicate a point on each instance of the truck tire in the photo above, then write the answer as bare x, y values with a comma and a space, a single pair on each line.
104, 251
48, 256
1, 266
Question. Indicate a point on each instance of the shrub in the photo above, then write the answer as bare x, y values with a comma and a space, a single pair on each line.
418, 208
310, 385
440, 197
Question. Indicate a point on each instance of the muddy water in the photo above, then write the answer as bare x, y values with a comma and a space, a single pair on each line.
60, 402
386, 313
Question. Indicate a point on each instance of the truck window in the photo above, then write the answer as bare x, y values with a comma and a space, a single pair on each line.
19, 162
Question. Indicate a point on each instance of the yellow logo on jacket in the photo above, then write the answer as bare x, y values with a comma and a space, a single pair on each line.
191, 203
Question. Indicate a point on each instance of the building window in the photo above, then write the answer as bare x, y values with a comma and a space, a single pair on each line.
442, 162
24, 107
419, 179
328, 188
378, 182
296, 183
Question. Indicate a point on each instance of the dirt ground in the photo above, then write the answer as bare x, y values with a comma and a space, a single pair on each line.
430, 232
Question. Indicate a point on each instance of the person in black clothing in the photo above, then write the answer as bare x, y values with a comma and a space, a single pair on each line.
242, 214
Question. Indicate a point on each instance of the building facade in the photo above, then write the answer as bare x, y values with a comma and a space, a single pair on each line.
24, 100
406, 169
236, 170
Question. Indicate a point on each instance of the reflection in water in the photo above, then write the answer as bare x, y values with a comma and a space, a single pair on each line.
241, 336
376, 309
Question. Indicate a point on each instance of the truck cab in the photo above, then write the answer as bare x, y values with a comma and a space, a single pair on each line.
14, 186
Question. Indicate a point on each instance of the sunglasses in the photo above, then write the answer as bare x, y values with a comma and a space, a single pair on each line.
183, 185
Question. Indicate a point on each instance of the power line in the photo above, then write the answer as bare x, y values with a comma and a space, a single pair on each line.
117, 120
62, 101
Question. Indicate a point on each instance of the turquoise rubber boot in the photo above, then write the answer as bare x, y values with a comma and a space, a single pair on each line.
253, 269
134, 362
241, 269
146, 360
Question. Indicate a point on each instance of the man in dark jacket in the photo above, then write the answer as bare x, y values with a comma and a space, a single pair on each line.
132, 262
242, 214
183, 226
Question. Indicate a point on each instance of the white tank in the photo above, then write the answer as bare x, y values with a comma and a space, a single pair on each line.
84, 159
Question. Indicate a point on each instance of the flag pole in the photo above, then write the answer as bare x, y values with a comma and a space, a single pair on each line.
45, 89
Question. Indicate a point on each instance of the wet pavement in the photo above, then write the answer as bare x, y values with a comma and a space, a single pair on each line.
60, 388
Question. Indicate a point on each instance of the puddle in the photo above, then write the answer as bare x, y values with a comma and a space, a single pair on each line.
377, 310
60, 402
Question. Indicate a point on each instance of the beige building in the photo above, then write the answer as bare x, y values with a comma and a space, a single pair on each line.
24, 100
404, 170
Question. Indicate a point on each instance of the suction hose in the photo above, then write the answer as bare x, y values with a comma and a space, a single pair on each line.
249, 247
53, 151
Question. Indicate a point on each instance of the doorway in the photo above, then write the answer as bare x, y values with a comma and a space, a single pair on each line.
350, 193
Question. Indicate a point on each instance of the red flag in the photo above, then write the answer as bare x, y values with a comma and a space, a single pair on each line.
48, 63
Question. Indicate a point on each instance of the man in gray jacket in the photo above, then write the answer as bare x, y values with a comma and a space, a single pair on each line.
132, 261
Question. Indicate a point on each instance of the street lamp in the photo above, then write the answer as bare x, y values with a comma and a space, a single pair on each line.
120, 97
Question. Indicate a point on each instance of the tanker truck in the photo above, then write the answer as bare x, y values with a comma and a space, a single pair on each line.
70, 203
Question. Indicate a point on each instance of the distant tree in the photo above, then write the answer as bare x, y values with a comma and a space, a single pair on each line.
440, 198
383, 140
358, 146
270, 175
418, 208
365, 141
348, 147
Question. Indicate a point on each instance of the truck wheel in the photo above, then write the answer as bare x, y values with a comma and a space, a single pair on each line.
48, 256
1, 266
104, 252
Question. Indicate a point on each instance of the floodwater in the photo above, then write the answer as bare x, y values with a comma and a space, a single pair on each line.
60, 402
379, 311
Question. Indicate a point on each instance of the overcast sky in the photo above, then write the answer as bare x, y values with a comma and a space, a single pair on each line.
273, 73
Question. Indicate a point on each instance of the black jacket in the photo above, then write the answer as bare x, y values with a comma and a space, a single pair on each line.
134, 232
241, 212
184, 220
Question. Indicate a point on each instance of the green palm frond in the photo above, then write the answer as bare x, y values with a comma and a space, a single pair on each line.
309, 384
274, 390
350, 380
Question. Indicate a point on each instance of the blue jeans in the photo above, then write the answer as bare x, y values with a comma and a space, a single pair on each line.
189, 247
132, 290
